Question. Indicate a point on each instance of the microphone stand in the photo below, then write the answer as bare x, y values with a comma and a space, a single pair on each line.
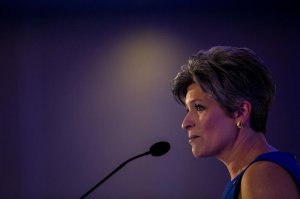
114, 171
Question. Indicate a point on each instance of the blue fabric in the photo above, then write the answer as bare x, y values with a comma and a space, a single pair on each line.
285, 160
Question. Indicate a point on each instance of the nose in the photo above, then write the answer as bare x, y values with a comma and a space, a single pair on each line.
188, 121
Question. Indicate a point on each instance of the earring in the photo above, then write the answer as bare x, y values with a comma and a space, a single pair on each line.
239, 124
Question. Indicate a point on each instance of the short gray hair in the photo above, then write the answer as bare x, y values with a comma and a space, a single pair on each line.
230, 75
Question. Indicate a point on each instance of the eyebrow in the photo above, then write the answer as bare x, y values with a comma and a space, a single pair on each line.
193, 101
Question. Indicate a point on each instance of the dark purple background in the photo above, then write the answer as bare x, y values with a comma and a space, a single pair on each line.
86, 85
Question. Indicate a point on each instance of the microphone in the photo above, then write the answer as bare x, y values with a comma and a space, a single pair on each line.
157, 149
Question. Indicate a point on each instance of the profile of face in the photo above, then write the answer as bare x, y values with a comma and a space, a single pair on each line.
211, 132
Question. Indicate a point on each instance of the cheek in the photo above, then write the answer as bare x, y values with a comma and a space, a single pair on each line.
218, 127
216, 138
210, 121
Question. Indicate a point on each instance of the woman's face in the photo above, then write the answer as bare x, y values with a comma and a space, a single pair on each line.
210, 131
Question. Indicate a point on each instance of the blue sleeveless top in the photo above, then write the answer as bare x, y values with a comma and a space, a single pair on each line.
285, 160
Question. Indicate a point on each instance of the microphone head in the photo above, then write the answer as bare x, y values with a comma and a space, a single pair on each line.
159, 148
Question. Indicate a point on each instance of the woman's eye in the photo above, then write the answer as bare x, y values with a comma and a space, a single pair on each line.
199, 107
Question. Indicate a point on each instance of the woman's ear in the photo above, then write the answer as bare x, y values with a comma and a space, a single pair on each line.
243, 112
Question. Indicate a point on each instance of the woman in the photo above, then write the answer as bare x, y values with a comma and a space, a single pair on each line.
228, 92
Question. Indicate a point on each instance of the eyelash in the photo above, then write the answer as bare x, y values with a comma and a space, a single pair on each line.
199, 107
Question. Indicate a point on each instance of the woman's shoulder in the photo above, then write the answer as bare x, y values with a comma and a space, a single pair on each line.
265, 178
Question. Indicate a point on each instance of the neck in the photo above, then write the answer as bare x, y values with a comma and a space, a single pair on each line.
247, 146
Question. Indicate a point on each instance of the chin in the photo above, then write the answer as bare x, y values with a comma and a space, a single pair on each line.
200, 153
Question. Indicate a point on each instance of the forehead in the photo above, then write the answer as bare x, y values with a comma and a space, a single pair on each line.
195, 93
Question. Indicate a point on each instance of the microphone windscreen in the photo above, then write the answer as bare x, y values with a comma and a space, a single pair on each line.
159, 148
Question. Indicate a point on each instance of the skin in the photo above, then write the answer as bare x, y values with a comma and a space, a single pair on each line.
212, 133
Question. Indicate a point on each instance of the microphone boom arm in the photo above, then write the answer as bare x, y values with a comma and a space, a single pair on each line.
113, 172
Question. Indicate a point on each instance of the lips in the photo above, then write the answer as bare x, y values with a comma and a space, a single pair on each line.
193, 137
